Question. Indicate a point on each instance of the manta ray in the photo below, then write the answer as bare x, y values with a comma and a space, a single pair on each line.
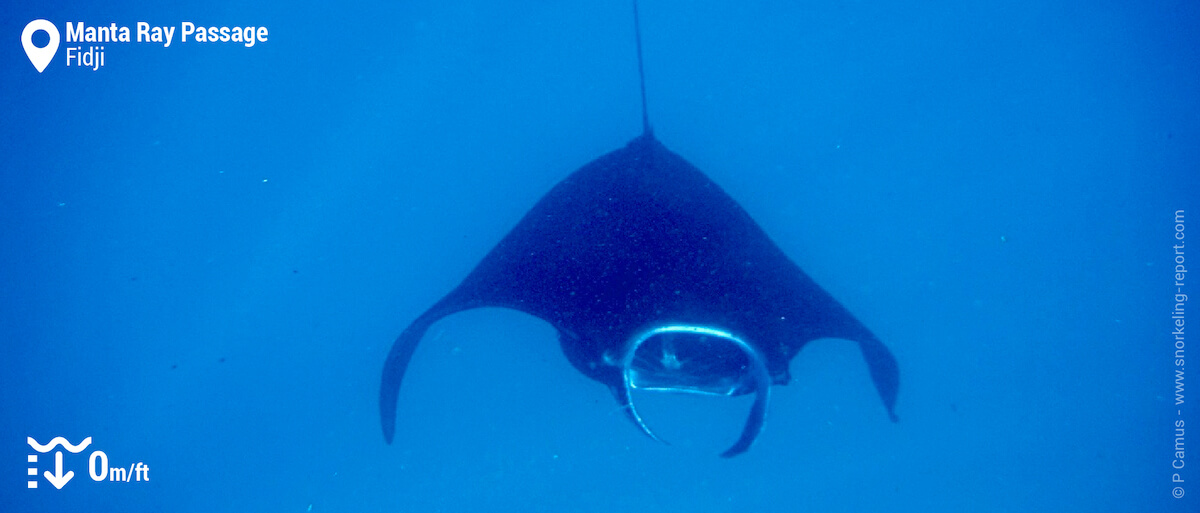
655, 279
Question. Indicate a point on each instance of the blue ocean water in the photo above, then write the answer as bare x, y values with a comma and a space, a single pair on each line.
206, 250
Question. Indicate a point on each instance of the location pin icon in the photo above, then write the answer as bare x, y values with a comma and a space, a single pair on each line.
40, 57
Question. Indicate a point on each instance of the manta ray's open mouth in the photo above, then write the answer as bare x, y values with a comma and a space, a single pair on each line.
690, 359
696, 360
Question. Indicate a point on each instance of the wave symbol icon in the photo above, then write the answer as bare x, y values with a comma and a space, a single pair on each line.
58, 440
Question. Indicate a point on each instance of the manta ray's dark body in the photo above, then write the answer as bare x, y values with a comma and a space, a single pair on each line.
638, 243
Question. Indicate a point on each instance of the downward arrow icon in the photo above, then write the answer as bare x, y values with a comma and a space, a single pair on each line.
57, 478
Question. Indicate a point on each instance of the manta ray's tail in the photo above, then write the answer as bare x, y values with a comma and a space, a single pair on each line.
637, 30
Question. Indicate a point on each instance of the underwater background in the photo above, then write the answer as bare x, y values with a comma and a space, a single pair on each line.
207, 249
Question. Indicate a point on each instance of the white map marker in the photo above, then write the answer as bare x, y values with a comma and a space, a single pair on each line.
40, 57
